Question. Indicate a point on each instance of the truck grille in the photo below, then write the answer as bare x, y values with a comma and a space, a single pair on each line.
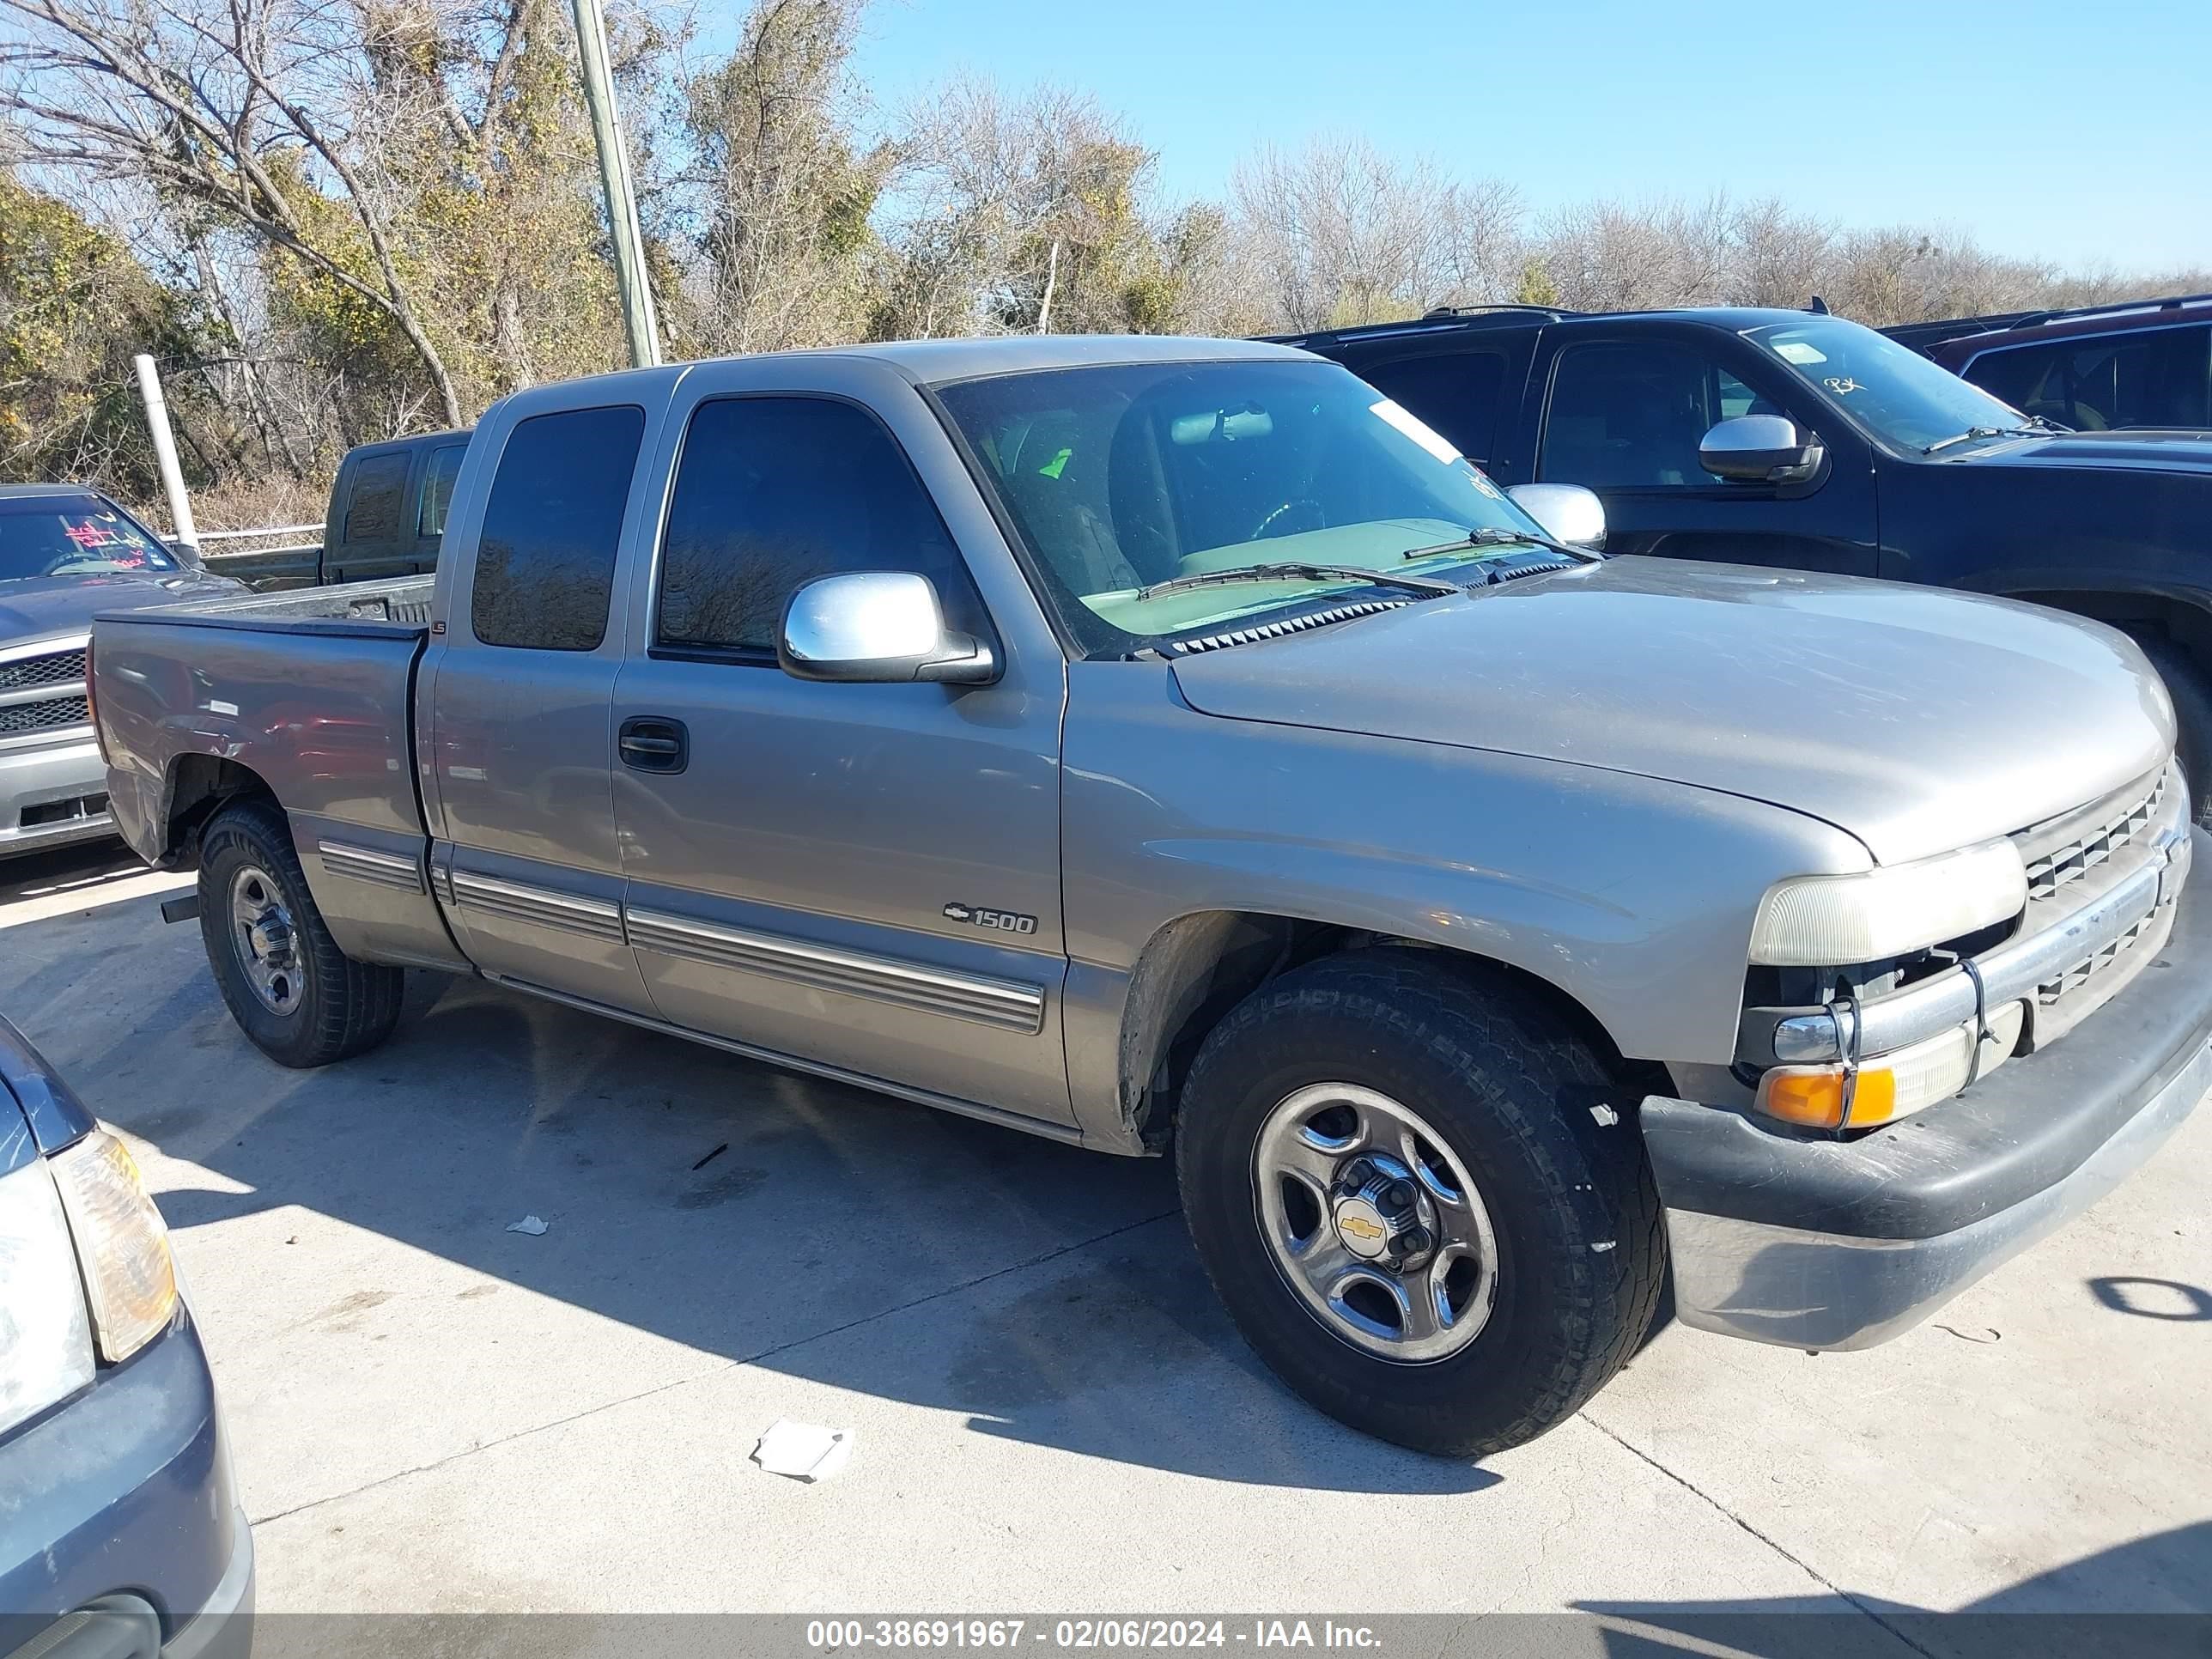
60, 668
49, 714
2052, 990
2113, 825
2074, 860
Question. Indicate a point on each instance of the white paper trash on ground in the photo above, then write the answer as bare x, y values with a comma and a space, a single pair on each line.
529, 1224
805, 1451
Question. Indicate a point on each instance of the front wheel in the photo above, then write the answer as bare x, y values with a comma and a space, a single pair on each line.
1422, 1199
302, 1000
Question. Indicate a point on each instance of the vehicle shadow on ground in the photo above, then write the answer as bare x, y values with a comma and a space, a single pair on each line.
2147, 1599
1049, 1293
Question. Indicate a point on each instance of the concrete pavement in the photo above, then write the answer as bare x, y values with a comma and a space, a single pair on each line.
431, 1414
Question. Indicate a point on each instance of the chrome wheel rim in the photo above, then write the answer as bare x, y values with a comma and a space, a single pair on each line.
263, 935
1374, 1222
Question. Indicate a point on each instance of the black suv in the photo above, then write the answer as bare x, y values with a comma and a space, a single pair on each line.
1802, 440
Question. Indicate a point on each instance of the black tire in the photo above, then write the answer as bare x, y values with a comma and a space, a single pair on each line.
2193, 717
340, 1008
1544, 1127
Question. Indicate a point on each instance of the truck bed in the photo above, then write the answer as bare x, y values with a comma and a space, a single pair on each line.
404, 600
309, 692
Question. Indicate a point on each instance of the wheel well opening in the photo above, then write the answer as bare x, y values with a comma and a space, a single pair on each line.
1198, 968
200, 786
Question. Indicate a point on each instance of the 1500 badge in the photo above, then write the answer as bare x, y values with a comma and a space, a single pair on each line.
1006, 922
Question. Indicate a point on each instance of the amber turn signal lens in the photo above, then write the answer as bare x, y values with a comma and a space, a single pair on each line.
1813, 1095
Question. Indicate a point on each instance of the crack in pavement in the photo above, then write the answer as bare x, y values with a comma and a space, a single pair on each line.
717, 1370
1774, 1544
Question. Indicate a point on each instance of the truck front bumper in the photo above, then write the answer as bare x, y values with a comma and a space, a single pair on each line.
53, 793
1814, 1243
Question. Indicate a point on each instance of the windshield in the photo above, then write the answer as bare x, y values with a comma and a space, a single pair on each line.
1120, 477
77, 535
1890, 390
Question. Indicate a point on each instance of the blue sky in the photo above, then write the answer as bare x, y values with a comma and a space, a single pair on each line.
2077, 132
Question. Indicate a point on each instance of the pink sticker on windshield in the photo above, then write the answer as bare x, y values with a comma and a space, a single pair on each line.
89, 535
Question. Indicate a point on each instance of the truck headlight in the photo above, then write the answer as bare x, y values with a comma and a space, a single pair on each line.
121, 1243
1835, 922
45, 1340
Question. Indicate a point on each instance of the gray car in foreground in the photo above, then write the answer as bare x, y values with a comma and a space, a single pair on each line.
120, 1534
66, 552
1175, 744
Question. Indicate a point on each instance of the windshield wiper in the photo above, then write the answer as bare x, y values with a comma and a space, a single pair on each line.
1974, 432
1301, 572
1491, 535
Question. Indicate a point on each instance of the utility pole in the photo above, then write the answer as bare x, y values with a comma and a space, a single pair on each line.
184, 533
614, 172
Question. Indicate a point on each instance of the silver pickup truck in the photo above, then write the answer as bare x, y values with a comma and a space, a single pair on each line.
1175, 744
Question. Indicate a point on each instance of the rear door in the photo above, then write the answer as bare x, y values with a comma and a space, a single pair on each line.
1622, 406
517, 740
865, 877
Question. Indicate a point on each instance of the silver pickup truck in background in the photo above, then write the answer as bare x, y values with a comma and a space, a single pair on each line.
1175, 745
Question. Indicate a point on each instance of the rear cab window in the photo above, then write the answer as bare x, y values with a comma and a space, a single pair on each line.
545, 559
374, 499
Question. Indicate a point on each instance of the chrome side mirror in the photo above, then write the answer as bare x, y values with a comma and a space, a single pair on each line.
1761, 449
1565, 513
876, 626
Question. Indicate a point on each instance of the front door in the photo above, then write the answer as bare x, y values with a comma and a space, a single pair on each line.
862, 876
1626, 415
520, 747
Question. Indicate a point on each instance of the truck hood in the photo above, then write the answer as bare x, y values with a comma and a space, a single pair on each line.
2143, 449
1915, 719
37, 607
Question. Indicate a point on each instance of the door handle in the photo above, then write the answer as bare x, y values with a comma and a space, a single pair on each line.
649, 744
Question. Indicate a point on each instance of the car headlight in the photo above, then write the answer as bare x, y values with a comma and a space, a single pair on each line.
45, 1340
121, 1243
1835, 922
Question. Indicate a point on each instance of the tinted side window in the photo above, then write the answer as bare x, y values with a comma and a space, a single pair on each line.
772, 492
373, 507
545, 566
1631, 414
445, 466
2160, 377
1456, 393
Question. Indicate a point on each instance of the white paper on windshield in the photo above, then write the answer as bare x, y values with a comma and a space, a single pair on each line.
1410, 423
1797, 351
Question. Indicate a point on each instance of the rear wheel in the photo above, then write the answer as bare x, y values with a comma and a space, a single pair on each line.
302, 1000
1422, 1199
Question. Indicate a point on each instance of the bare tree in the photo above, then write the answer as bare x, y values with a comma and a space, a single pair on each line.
991, 184
1343, 233
1613, 256
237, 104
781, 191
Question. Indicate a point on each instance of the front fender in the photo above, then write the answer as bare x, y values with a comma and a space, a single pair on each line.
1632, 896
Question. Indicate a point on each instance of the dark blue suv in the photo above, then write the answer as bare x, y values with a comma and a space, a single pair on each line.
120, 1534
